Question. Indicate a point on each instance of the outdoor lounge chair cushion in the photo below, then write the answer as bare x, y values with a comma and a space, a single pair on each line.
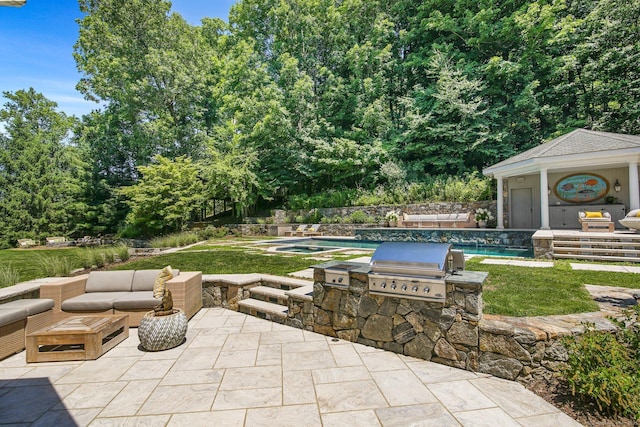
93, 301
143, 280
633, 213
32, 306
110, 281
136, 300
11, 315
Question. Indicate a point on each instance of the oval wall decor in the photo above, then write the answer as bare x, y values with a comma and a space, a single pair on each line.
581, 188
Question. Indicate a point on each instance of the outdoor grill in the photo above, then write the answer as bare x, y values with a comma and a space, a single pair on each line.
413, 270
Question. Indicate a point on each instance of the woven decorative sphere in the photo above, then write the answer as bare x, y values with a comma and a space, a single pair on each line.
162, 332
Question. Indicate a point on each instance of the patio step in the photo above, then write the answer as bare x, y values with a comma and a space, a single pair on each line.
607, 247
263, 310
284, 283
598, 257
269, 294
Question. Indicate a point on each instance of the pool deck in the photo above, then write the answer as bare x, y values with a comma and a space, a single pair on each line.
237, 370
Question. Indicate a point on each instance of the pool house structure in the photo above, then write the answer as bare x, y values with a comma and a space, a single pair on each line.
545, 187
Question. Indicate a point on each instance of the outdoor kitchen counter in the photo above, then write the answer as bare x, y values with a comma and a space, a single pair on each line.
362, 267
467, 278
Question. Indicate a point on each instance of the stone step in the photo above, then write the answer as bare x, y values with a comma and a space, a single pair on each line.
303, 292
284, 283
269, 294
594, 243
598, 257
263, 310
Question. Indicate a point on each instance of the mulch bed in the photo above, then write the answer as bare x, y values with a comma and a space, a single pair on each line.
557, 392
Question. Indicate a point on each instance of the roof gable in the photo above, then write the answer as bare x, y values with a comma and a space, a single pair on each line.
579, 141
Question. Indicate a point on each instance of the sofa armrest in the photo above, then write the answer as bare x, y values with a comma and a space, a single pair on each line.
63, 290
186, 290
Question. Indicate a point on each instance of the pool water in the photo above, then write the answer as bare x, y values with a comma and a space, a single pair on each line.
317, 245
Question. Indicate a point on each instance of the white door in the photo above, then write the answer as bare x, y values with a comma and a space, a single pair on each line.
521, 208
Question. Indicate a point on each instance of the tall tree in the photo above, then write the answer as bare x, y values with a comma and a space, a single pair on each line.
151, 69
167, 196
42, 176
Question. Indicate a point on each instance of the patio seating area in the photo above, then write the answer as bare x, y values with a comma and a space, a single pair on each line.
237, 370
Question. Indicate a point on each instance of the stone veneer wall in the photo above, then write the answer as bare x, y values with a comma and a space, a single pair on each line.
445, 333
412, 209
467, 236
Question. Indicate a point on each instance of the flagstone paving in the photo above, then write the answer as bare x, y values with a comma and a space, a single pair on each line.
237, 370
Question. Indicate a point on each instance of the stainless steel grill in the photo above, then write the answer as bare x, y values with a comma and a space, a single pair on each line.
413, 270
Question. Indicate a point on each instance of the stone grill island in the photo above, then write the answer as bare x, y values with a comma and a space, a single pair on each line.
445, 332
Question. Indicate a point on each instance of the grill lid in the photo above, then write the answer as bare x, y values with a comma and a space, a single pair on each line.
420, 258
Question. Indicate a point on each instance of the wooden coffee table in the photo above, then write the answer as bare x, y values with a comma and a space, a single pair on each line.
77, 338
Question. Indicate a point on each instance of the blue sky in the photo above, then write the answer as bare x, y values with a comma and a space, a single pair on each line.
36, 47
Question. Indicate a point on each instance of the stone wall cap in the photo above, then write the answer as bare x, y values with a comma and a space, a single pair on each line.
467, 277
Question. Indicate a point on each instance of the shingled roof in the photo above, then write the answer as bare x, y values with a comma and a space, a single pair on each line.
577, 142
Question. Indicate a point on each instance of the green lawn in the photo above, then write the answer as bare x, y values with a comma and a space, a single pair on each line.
509, 290
28, 261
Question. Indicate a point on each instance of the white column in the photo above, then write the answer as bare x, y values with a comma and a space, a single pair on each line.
544, 200
634, 192
500, 207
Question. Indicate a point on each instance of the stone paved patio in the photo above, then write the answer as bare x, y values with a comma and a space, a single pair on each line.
236, 370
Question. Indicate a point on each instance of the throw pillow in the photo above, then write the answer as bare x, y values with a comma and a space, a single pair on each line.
588, 214
159, 285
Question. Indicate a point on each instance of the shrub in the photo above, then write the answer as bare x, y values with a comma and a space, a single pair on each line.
358, 217
54, 266
603, 367
121, 252
212, 232
9, 276
314, 216
174, 240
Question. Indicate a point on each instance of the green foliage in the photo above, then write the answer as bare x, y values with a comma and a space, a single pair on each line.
469, 187
121, 252
175, 240
166, 197
9, 276
328, 199
603, 367
212, 232
54, 266
42, 175
358, 217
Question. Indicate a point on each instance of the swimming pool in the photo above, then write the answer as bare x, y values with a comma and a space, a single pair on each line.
319, 245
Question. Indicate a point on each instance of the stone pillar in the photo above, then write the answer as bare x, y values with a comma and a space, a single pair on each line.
634, 191
500, 207
544, 200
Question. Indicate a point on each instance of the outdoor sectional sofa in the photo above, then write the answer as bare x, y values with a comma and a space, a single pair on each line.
454, 220
121, 292
19, 318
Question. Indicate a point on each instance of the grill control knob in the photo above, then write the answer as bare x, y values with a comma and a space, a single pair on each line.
393, 286
383, 285
414, 289
426, 289
339, 279
404, 287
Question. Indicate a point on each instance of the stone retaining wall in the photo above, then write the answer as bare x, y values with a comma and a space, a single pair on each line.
463, 236
412, 209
